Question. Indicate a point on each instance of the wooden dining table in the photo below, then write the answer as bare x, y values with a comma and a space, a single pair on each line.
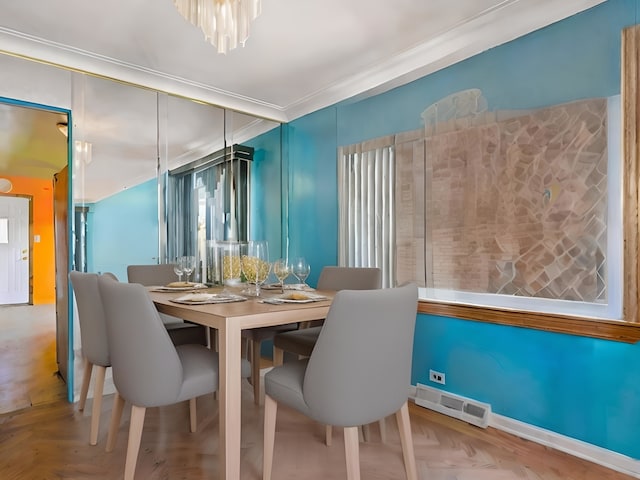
229, 319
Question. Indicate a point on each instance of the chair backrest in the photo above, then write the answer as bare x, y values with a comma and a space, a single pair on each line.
112, 276
93, 328
360, 368
350, 278
151, 275
146, 368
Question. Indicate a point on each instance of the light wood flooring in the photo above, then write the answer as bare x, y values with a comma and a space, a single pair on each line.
49, 440
28, 369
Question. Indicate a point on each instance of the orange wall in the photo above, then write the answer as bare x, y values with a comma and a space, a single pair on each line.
43, 258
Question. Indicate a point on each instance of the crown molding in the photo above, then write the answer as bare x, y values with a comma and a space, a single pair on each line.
42, 50
475, 35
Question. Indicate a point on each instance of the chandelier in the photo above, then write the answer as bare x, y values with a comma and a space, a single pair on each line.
225, 23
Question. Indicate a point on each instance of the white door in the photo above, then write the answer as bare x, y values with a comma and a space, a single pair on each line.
14, 250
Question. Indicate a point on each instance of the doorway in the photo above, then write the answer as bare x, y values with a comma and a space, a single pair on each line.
34, 151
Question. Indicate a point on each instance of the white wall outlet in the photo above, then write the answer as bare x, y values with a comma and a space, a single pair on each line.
437, 377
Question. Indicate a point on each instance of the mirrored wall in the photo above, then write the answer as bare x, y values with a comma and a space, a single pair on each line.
125, 144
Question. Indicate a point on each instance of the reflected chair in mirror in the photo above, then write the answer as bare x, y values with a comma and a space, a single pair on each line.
148, 369
359, 372
301, 341
181, 332
93, 338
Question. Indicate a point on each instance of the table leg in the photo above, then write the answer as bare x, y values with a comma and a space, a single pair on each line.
229, 339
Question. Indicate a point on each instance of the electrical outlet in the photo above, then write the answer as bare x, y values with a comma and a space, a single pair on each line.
437, 377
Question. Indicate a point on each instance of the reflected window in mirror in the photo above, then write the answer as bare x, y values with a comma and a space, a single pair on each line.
208, 202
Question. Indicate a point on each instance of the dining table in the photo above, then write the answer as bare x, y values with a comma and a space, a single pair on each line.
229, 319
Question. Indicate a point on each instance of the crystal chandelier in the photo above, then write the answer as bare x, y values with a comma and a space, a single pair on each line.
225, 23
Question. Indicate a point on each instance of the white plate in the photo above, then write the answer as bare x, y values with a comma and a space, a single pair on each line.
286, 298
202, 298
186, 288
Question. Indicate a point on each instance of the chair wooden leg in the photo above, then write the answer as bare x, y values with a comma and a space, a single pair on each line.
328, 434
255, 370
383, 430
213, 339
352, 452
210, 345
278, 356
404, 426
135, 435
116, 415
270, 411
193, 416
244, 348
366, 433
98, 388
86, 379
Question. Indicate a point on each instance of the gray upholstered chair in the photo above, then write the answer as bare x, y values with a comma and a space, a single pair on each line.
181, 332
148, 369
93, 336
302, 341
359, 372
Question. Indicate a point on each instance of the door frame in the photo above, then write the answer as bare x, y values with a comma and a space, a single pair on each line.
70, 322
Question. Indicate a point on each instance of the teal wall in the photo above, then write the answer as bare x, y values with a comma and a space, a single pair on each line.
266, 183
313, 197
584, 388
123, 230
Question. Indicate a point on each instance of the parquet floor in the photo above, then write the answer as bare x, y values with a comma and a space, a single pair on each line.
50, 441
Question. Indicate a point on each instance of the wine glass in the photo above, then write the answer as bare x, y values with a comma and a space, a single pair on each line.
301, 270
281, 269
188, 265
255, 264
178, 268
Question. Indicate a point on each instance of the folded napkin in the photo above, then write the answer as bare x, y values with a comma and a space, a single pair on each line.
288, 286
201, 298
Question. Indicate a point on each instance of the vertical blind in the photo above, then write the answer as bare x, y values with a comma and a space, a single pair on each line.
366, 179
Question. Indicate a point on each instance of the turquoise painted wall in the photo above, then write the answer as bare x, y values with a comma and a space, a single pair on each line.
266, 188
583, 388
313, 194
124, 230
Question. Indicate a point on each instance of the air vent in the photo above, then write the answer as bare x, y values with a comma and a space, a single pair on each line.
475, 413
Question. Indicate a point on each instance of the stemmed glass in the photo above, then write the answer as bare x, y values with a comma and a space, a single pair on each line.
281, 269
188, 265
178, 268
301, 270
255, 264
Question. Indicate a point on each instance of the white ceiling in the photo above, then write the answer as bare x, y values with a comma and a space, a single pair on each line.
302, 55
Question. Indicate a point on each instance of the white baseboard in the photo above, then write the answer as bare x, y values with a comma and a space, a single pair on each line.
577, 448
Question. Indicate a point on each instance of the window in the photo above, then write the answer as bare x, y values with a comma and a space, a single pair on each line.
501, 209
366, 179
